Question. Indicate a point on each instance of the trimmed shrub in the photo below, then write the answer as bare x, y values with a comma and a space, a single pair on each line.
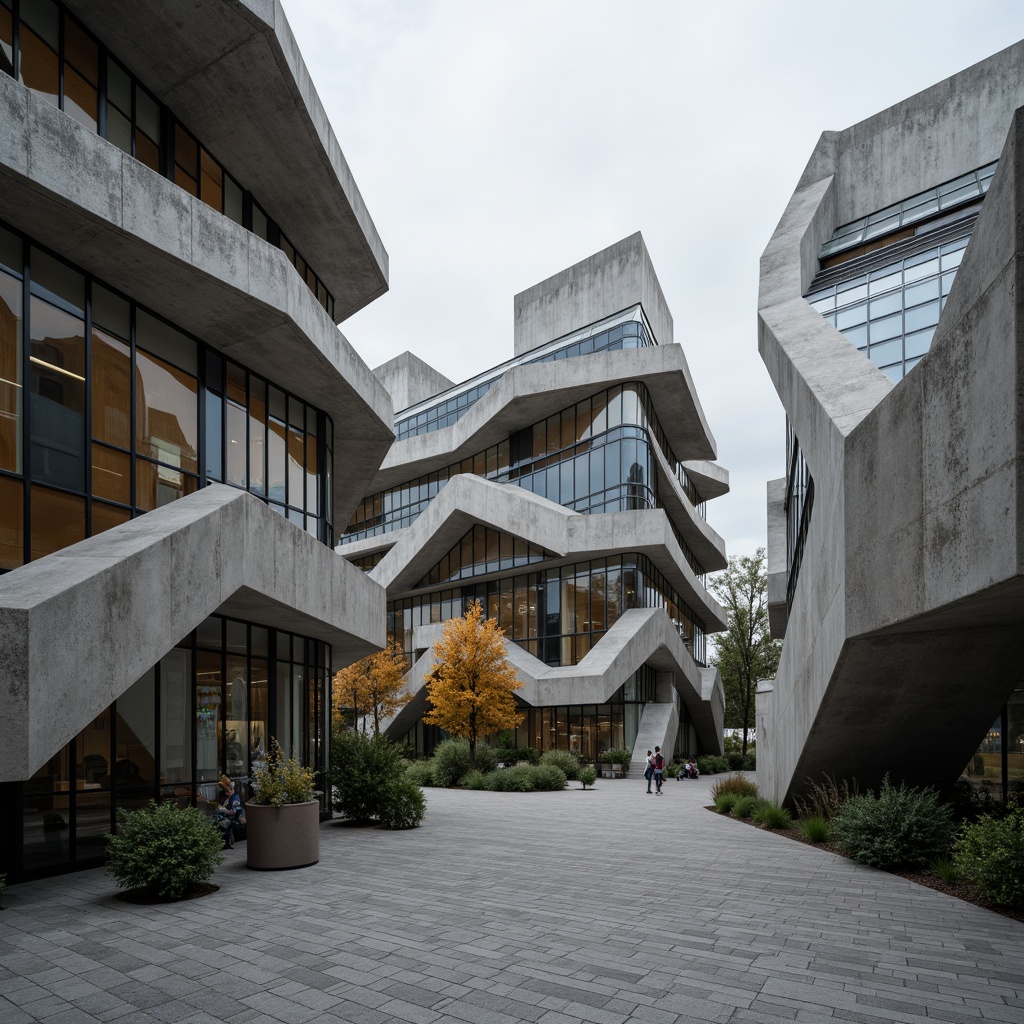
725, 802
709, 764
421, 772
474, 780
733, 784
164, 849
513, 755
991, 854
749, 761
735, 759
824, 799
814, 828
518, 779
451, 762
898, 827
363, 771
547, 777
588, 776
567, 760
771, 815
402, 805
487, 758
744, 807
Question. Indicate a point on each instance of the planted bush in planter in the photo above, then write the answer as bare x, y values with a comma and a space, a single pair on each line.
283, 816
164, 851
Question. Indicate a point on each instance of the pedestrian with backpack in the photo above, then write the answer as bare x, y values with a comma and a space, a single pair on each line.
658, 763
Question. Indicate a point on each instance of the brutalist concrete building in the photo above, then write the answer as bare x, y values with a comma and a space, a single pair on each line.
890, 320
176, 249
565, 490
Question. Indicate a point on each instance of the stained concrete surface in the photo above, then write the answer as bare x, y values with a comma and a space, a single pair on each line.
557, 908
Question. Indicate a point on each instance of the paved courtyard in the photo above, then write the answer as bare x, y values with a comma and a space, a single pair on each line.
605, 906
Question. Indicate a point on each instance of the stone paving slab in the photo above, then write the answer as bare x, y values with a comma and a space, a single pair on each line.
551, 908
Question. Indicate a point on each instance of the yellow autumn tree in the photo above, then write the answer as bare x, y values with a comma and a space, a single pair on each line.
471, 683
372, 686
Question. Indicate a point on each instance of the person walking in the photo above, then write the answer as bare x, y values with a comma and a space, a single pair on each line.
658, 763
649, 770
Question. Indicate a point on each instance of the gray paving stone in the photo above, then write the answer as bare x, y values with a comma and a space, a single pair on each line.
484, 915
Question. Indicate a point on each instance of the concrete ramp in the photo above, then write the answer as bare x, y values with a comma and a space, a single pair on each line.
80, 626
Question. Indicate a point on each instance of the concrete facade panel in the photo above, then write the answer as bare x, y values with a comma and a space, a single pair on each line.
609, 281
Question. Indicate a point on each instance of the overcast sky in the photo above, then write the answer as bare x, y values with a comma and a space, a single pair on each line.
496, 142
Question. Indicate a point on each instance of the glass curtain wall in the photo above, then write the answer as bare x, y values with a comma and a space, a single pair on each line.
997, 767
594, 456
108, 411
559, 614
588, 729
56, 57
207, 708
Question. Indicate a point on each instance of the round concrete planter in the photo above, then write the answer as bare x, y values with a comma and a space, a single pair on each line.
282, 837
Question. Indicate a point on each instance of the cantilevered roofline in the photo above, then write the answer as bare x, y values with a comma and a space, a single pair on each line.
274, 138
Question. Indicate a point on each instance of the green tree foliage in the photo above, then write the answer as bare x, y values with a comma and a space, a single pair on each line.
991, 854
368, 778
745, 652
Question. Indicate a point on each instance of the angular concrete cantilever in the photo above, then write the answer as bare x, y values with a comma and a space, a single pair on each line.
468, 499
641, 636
79, 627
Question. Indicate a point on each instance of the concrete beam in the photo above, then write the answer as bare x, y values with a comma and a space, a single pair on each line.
80, 626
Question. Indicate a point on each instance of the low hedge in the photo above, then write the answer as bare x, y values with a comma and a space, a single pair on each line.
991, 854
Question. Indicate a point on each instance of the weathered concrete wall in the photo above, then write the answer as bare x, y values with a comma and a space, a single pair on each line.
882, 457
80, 626
409, 380
275, 140
111, 215
609, 281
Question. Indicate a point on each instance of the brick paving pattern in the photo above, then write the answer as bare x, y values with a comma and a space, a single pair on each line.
555, 908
